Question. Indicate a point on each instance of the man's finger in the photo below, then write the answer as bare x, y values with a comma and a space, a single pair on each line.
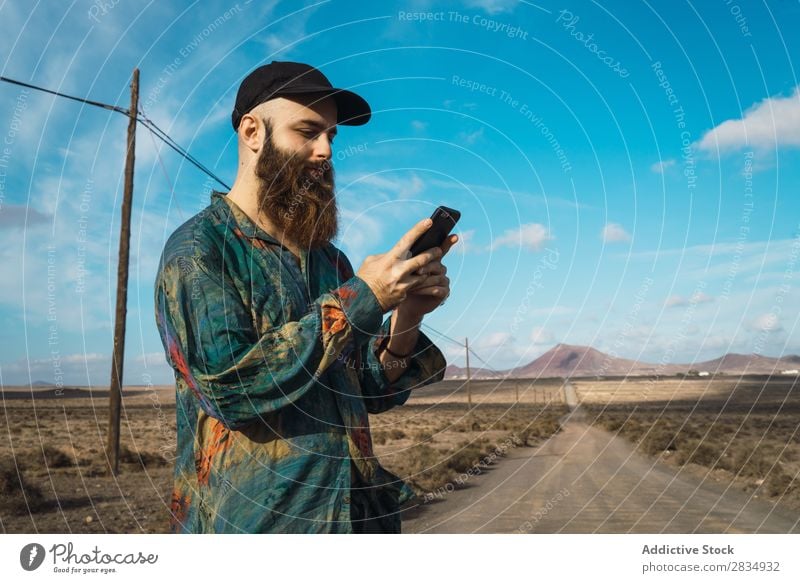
435, 267
434, 290
423, 259
407, 240
448, 244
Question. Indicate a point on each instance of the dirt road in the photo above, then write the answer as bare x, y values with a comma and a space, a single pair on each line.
587, 480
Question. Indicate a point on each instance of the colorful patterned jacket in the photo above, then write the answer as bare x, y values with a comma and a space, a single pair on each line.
275, 373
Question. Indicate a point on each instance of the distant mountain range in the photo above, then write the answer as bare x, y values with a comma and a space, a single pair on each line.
564, 360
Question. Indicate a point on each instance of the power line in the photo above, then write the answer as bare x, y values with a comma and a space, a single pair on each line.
443, 335
461, 344
164, 137
121, 110
140, 117
483, 361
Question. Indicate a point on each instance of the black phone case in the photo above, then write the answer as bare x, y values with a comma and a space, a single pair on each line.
444, 219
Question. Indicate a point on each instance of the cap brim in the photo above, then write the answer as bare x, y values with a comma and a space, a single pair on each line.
352, 109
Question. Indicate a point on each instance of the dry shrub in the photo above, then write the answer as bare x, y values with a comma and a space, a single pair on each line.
780, 484
425, 469
698, 452
754, 460
657, 440
143, 458
397, 434
15, 489
55, 457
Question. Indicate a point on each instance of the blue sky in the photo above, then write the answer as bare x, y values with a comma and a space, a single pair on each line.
627, 172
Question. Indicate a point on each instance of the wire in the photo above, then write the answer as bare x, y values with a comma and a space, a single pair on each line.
164, 137
443, 335
483, 361
79, 99
462, 345
166, 175
140, 117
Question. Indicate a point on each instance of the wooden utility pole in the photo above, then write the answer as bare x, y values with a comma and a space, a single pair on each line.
117, 360
469, 376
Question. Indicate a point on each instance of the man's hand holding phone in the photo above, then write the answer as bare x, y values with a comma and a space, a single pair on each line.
417, 284
392, 275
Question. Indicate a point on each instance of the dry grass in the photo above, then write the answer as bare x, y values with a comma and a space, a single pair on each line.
757, 450
445, 440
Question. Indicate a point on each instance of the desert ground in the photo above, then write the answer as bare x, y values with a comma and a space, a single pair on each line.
471, 455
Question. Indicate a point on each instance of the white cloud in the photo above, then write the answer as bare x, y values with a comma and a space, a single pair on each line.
773, 122
470, 137
767, 323
615, 233
493, 6
466, 242
390, 187
662, 165
14, 216
553, 311
359, 231
697, 298
532, 236
495, 340
88, 369
540, 335
418, 125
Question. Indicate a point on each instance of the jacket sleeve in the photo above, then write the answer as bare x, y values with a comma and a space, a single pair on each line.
237, 374
426, 366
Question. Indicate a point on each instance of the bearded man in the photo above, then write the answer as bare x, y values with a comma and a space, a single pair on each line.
280, 350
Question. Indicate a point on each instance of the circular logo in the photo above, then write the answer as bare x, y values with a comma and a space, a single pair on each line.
31, 556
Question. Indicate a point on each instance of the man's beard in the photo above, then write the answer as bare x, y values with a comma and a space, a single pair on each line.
303, 207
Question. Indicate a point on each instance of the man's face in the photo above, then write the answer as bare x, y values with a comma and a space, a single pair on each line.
296, 177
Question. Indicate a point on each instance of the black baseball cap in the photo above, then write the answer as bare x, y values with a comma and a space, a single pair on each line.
281, 78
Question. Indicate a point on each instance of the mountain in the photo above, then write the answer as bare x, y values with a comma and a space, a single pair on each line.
564, 360
749, 363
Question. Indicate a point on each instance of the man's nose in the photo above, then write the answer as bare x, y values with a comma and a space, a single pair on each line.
322, 149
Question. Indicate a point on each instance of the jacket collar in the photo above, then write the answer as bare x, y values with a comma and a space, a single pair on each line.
230, 209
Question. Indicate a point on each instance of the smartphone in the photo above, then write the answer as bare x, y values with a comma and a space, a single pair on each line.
444, 219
